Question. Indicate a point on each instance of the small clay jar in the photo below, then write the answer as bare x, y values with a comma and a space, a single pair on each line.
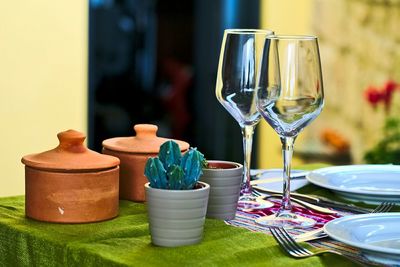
70, 183
133, 152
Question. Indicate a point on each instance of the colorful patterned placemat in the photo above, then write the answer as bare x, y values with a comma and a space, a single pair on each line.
247, 220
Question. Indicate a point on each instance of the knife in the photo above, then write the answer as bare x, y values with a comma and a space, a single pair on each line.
307, 204
318, 200
311, 235
296, 176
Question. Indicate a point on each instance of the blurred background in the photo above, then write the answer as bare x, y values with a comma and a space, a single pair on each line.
102, 66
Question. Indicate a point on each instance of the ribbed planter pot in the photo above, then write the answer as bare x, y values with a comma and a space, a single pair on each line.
224, 178
176, 217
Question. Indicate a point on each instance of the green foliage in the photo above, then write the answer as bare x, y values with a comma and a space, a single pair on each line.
171, 170
388, 149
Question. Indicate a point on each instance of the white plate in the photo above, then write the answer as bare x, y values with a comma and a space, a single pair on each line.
368, 183
377, 235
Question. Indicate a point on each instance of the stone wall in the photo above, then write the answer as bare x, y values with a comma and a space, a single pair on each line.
359, 46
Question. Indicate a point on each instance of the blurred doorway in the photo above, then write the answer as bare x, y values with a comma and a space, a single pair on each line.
155, 62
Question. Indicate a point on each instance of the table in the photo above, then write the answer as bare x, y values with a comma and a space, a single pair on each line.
125, 241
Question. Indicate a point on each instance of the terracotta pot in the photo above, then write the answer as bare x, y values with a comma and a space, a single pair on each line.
224, 178
70, 183
176, 217
133, 152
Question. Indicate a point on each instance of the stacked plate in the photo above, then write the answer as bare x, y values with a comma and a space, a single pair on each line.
367, 183
377, 235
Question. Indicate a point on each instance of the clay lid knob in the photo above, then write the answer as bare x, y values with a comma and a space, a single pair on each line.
145, 131
72, 141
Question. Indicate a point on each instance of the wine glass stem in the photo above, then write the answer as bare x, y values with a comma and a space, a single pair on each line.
247, 132
287, 152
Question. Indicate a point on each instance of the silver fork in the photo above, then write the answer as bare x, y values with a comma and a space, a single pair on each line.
319, 233
295, 250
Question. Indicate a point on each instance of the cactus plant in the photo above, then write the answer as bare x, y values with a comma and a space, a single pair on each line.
156, 173
170, 154
171, 170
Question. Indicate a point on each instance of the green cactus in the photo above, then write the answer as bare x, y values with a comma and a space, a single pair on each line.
170, 154
182, 172
192, 163
175, 175
155, 173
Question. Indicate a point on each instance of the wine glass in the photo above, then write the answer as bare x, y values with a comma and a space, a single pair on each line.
236, 90
289, 97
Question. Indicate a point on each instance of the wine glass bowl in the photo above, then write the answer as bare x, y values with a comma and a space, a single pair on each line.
289, 97
289, 116
294, 90
238, 68
236, 79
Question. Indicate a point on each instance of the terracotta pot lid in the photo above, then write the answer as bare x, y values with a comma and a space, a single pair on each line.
70, 156
145, 141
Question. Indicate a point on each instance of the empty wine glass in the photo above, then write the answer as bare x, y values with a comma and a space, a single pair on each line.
236, 90
289, 96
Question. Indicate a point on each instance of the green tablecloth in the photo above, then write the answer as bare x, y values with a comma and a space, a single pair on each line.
125, 241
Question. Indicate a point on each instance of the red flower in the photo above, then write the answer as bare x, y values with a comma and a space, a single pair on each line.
387, 93
373, 95
390, 86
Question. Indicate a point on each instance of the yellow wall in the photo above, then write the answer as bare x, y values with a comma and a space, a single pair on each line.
283, 17
43, 80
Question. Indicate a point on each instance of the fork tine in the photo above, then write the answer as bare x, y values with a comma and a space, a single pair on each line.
284, 239
255, 193
389, 206
379, 207
384, 207
279, 240
294, 244
282, 243
290, 247
392, 205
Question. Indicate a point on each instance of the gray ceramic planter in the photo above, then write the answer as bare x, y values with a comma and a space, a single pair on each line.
224, 178
176, 217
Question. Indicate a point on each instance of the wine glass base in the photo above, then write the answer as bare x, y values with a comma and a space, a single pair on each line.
286, 220
248, 203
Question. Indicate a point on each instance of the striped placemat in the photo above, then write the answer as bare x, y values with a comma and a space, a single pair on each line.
247, 220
